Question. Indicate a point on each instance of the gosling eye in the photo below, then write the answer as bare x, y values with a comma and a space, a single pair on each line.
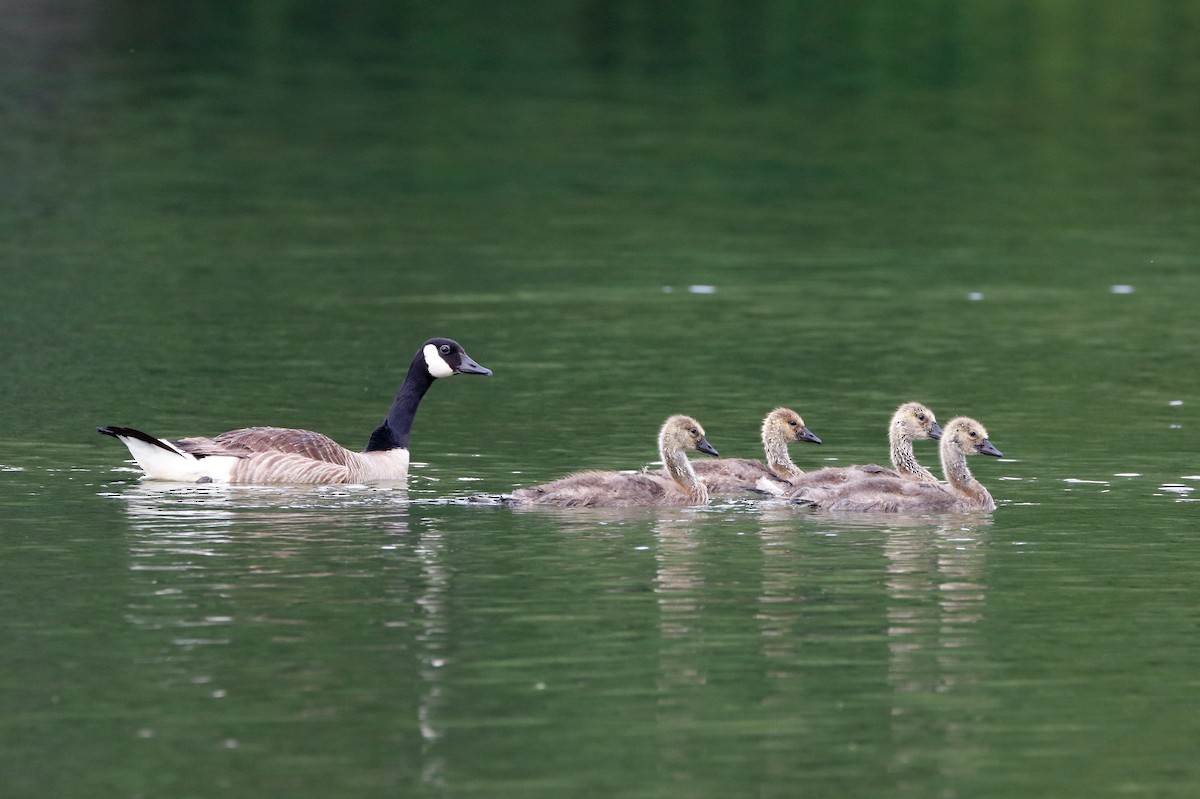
444, 349
694, 431
920, 417
792, 422
973, 434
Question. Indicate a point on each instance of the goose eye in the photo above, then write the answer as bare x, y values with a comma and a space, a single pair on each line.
972, 434
444, 349
694, 431
792, 422
921, 417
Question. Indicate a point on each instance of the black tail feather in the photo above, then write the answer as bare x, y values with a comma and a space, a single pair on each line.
130, 432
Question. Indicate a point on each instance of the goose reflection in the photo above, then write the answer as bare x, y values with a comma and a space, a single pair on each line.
176, 507
432, 639
276, 541
194, 546
327, 587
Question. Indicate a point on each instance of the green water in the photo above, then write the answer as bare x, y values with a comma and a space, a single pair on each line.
218, 215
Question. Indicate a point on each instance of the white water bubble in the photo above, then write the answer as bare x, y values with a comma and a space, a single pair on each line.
1121, 288
975, 296
701, 289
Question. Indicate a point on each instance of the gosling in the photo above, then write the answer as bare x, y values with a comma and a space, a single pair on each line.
910, 422
781, 427
593, 489
962, 493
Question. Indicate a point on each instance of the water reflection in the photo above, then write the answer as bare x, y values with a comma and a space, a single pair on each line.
750, 47
562, 166
1180, 492
679, 594
188, 541
678, 588
279, 598
1180, 489
156, 504
433, 636
936, 595
818, 577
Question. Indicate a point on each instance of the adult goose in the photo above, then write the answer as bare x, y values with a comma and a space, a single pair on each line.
962, 493
679, 486
910, 422
285, 455
781, 427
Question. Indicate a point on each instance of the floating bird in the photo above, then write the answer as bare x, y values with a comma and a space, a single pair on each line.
285, 455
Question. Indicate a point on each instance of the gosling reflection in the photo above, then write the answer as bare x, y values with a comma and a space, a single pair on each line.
679, 588
913, 591
936, 595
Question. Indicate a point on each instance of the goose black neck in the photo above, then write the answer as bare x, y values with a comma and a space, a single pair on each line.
393, 433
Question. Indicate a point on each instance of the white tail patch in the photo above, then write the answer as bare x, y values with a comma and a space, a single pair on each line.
174, 464
436, 363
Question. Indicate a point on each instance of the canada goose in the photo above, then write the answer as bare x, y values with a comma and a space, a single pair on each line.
781, 427
961, 437
678, 436
284, 455
911, 421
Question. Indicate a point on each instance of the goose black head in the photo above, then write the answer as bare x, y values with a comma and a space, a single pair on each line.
445, 357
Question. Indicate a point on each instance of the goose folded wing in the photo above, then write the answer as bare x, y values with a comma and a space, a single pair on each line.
288, 467
285, 440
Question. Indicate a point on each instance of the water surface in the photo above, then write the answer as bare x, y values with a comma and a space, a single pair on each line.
215, 217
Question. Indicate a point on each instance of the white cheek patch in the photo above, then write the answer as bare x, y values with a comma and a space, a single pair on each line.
434, 362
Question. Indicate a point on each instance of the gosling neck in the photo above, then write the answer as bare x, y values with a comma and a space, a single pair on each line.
778, 460
393, 433
903, 458
680, 468
958, 475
